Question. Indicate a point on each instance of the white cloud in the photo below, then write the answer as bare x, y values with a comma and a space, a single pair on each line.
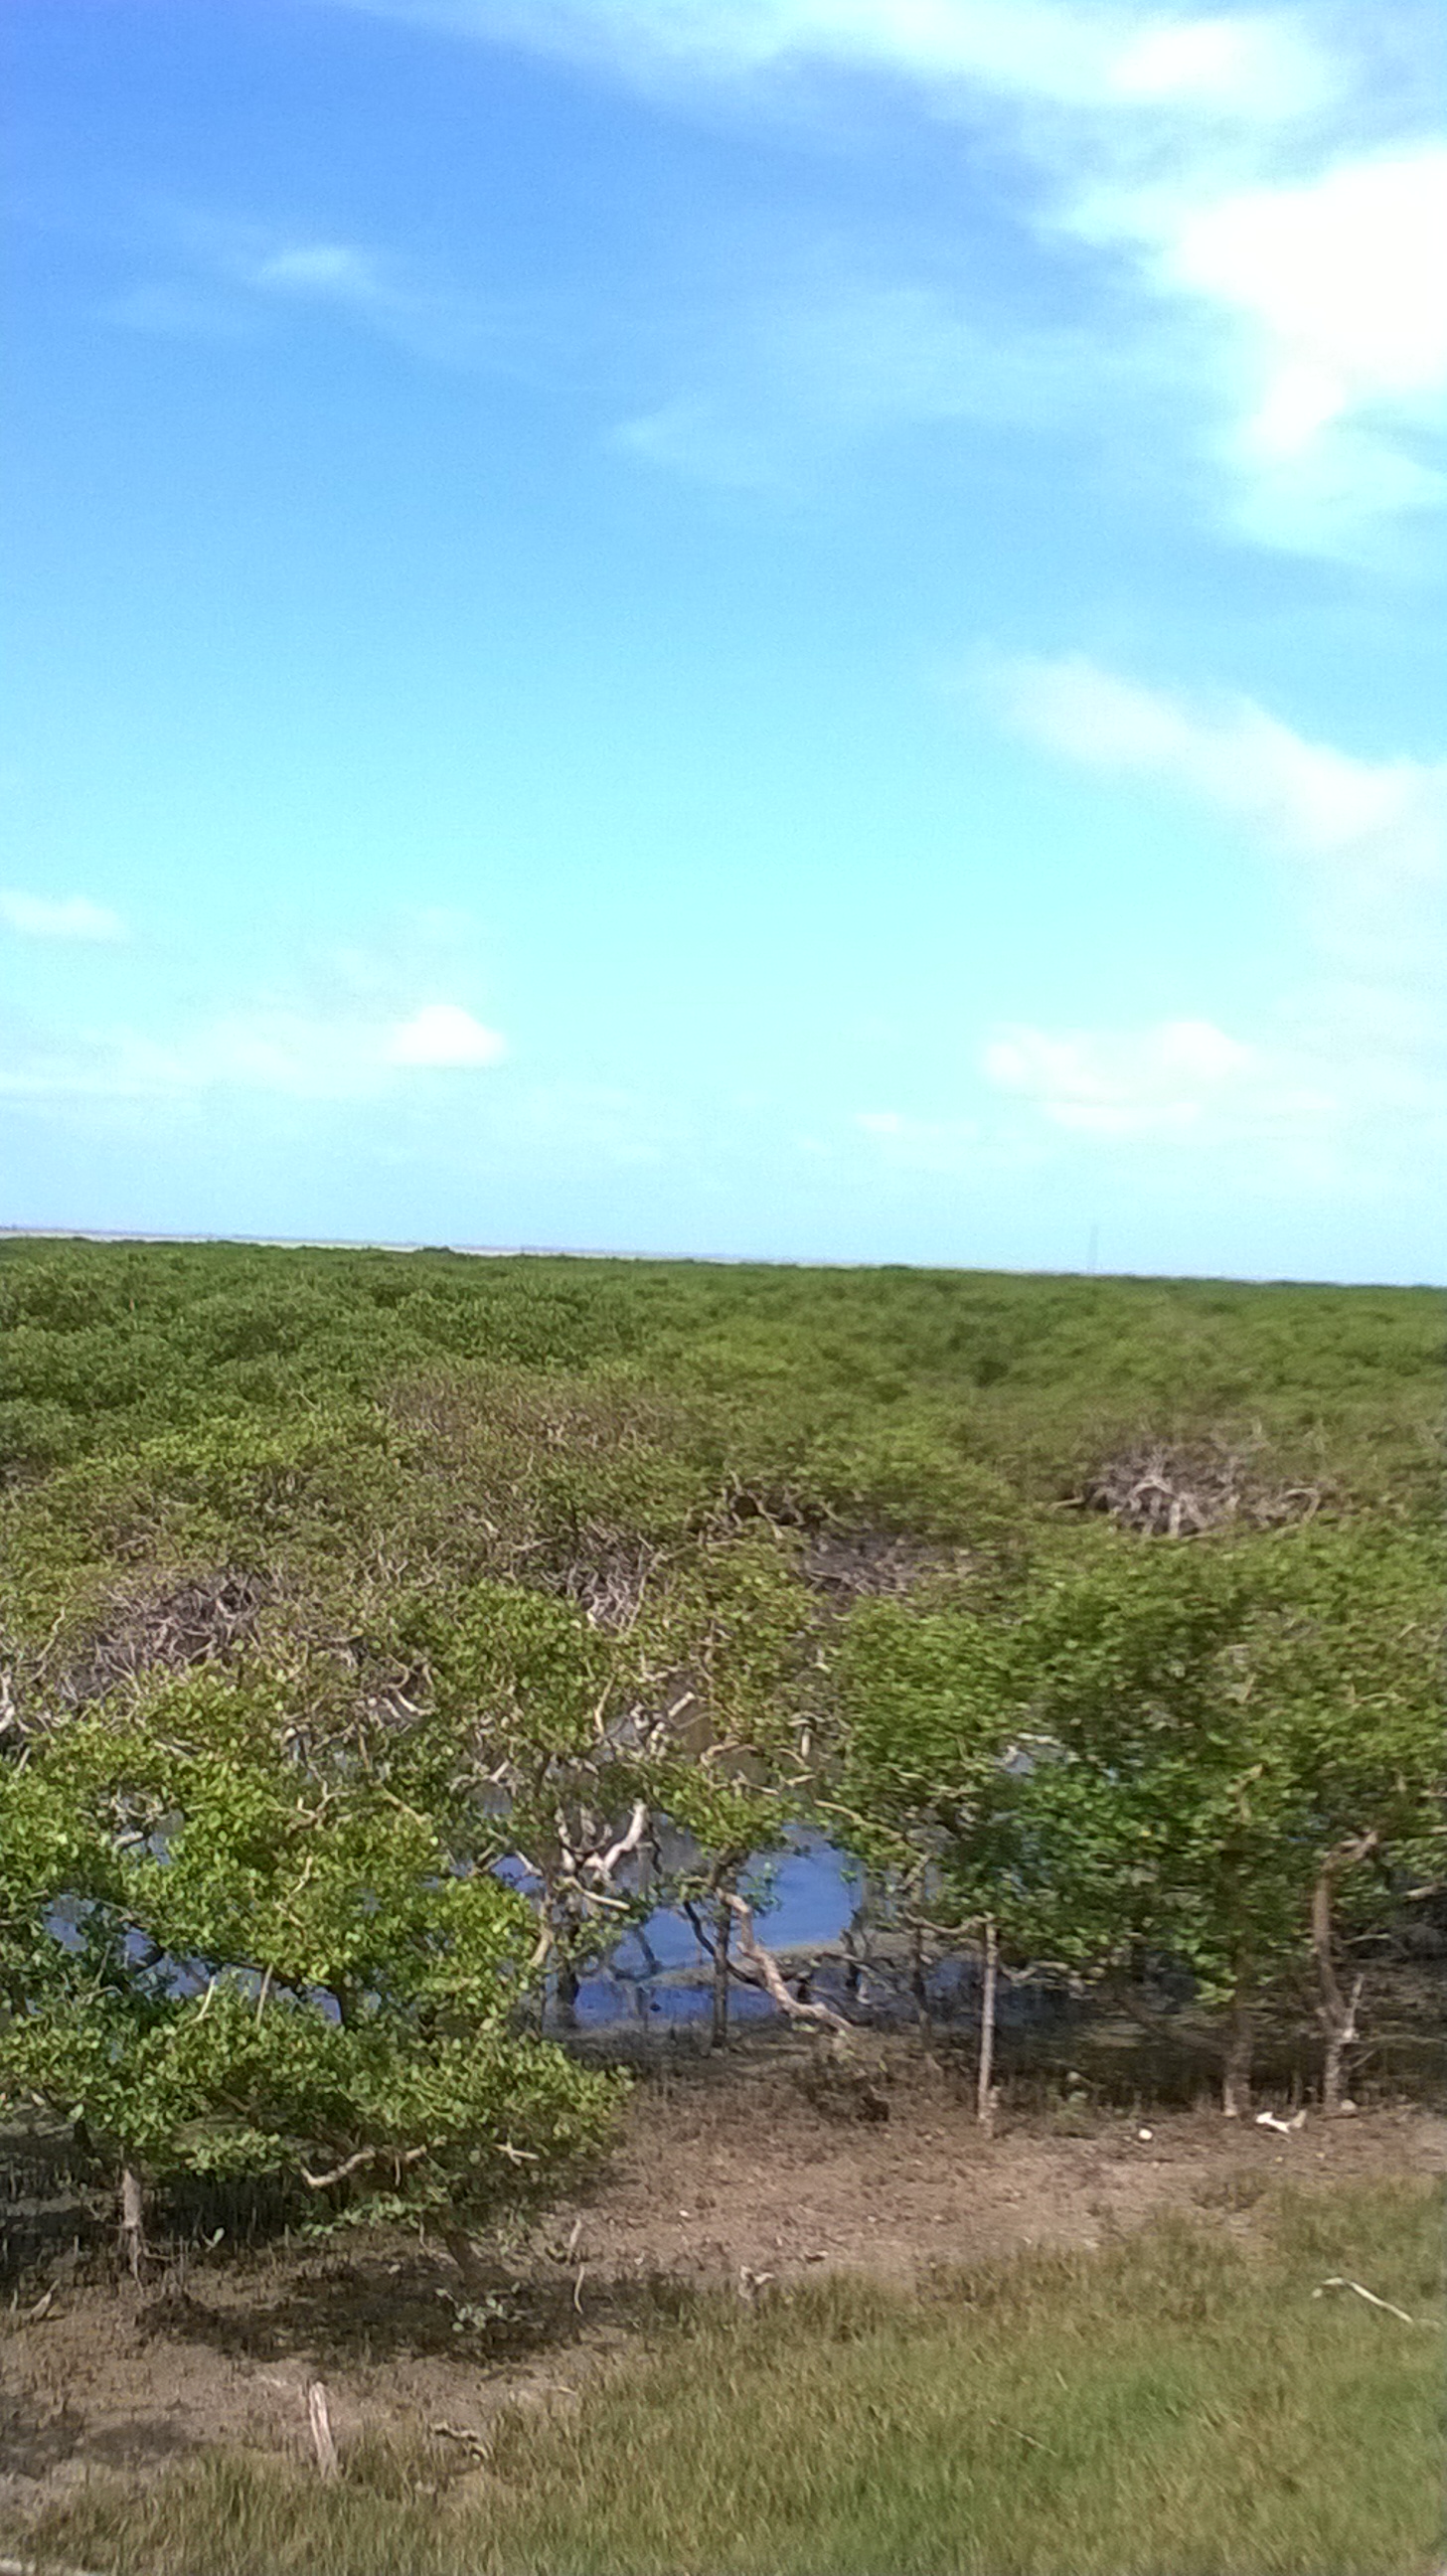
1313, 303
1332, 1095
442, 1033
1388, 816
1140, 1082
39, 916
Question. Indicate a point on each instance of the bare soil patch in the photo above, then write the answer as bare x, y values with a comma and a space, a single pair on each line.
731, 2172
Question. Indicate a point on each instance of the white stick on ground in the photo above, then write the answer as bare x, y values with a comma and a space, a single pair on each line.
1338, 2282
320, 2421
985, 2081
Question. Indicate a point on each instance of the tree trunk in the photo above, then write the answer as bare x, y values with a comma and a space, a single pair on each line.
1339, 2038
984, 2080
856, 1938
133, 2223
567, 1994
1236, 2074
919, 1980
723, 1924
477, 2278
1336, 2012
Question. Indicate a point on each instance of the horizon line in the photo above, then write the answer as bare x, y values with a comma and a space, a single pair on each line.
703, 1260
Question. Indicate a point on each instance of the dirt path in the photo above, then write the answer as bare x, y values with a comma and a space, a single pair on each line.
727, 2173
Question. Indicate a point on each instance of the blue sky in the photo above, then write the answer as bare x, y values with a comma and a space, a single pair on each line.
788, 628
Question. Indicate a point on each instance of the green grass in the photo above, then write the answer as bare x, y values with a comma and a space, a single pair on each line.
1177, 2405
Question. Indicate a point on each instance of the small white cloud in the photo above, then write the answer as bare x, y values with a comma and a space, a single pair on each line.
38, 916
1310, 311
320, 268
443, 1033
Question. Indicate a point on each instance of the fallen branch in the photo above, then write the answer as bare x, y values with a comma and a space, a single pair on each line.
1339, 2282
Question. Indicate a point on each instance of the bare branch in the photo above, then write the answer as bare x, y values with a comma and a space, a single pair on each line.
363, 2156
768, 1974
606, 1862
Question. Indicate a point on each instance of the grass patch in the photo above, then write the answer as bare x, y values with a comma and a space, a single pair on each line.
1177, 2405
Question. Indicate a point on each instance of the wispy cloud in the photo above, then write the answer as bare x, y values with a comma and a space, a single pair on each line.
1382, 816
819, 356
1137, 1082
302, 1055
231, 279
40, 916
